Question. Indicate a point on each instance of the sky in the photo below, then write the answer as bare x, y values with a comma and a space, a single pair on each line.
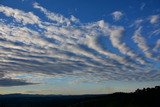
73, 47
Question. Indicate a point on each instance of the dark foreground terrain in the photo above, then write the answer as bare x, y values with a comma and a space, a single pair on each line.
149, 97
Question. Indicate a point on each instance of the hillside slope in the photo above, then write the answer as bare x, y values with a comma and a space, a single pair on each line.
140, 98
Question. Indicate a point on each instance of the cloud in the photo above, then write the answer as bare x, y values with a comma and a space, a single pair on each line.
63, 46
7, 82
142, 6
142, 43
137, 23
60, 19
117, 15
157, 47
154, 19
19, 15
155, 32
115, 36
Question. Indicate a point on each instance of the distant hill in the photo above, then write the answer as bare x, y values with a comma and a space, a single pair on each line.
147, 97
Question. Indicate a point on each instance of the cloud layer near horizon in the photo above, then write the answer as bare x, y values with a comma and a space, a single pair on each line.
66, 46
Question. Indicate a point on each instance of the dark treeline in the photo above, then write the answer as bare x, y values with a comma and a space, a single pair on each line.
147, 97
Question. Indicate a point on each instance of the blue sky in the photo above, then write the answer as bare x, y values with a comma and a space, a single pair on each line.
79, 46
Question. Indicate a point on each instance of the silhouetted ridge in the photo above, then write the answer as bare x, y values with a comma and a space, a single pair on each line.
147, 97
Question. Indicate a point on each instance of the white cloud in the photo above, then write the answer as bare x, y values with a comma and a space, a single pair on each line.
65, 46
142, 44
92, 44
115, 36
155, 32
117, 15
60, 19
154, 19
157, 47
20, 16
74, 19
137, 23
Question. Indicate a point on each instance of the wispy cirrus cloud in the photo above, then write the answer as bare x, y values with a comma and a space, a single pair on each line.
142, 44
155, 32
117, 15
116, 34
157, 47
66, 46
53, 16
19, 15
154, 19
142, 6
